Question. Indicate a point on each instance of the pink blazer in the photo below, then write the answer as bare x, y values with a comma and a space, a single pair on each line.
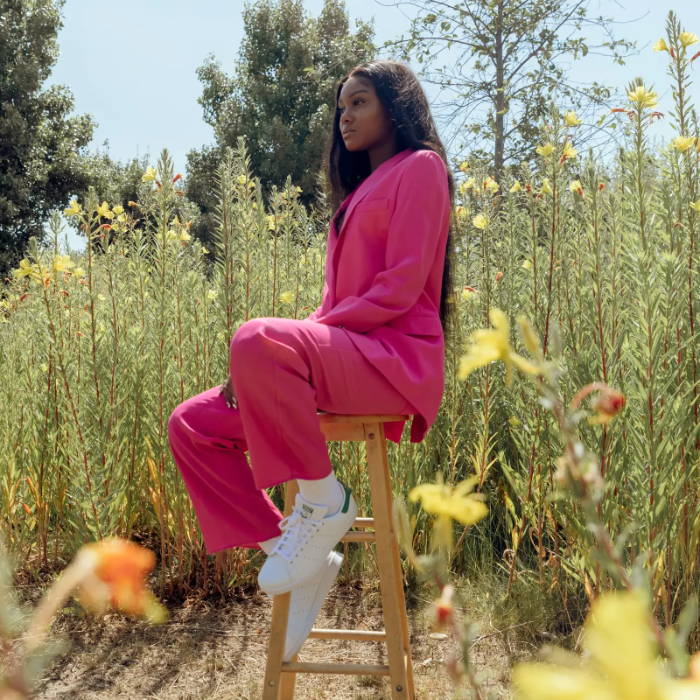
383, 278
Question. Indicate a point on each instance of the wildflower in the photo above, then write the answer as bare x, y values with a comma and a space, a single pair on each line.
545, 150
490, 184
469, 293
570, 119
601, 186
104, 211
117, 572
527, 264
447, 504
61, 263
576, 187
79, 272
149, 175
131, 203
25, 269
546, 187
516, 187
480, 221
660, 45
287, 297
642, 97
74, 209
119, 209
695, 205
490, 344
271, 222
621, 662
212, 294
608, 404
464, 166
694, 56
443, 610
687, 39
683, 143
184, 236
568, 152
499, 276
204, 250
177, 177
460, 212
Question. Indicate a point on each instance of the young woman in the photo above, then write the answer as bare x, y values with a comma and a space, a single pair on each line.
375, 345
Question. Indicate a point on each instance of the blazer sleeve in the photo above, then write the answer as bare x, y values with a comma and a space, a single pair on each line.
421, 212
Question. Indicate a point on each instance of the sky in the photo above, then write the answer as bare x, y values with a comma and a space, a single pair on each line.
132, 64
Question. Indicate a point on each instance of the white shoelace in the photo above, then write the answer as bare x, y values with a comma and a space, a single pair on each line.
295, 531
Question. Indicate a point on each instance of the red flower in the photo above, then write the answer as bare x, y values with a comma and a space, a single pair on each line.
177, 177
695, 56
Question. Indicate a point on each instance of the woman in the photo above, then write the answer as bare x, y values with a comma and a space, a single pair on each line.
375, 345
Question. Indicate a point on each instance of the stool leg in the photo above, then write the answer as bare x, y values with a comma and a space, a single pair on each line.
278, 685
393, 602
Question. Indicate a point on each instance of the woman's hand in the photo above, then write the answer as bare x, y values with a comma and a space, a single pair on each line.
227, 391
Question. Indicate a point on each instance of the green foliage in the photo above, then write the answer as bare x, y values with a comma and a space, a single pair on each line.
506, 60
279, 97
39, 140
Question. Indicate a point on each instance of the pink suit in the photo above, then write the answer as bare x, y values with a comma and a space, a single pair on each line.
374, 345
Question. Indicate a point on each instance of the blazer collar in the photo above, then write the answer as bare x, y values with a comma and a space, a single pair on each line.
367, 184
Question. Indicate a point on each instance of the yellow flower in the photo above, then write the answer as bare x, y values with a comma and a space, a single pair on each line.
688, 38
61, 263
660, 45
104, 211
271, 222
491, 344
286, 297
642, 97
576, 187
184, 236
74, 209
545, 150
480, 221
490, 184
26, 269
464, 166
204, 250
527, 264
447, 504
149, 175
621, 663
516, 187
460, 212
119, 209
78, 272
570, 119
683, 143
695, 205
546, 187
212, 294
568, 152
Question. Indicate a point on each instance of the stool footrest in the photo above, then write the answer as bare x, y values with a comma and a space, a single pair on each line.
355, 635
349, 669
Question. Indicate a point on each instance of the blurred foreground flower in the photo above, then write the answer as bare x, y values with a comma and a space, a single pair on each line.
489, 345
620, 664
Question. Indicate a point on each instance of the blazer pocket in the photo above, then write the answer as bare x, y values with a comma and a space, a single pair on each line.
373, 215
425, 324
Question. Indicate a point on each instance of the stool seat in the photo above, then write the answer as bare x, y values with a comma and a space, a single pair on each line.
280, 676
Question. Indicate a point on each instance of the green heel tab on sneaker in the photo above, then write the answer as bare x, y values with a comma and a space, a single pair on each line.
348, 492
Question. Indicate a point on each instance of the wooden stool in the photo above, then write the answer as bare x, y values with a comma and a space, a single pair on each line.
280, 676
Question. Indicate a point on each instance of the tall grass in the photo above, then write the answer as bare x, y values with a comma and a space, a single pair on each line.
92, 364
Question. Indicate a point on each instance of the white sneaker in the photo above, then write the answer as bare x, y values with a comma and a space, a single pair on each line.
308, 535
305, 603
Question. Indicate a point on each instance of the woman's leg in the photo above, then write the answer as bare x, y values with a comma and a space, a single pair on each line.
283, 370
208, 445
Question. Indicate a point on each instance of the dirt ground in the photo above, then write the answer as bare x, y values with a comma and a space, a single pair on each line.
218, 651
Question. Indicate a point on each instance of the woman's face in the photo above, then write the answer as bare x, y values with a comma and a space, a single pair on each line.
364, 123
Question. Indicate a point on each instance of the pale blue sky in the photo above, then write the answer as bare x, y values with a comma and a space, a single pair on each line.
131, 64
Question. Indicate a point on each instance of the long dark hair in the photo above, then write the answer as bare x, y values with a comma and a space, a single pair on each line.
403, 98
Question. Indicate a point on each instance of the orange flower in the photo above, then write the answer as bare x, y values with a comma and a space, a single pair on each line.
499, 276
601, 186
177, 177
119, 578
131, 203
695, 56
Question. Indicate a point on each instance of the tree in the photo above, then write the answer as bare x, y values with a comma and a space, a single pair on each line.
506, 65
40, 164
280, 97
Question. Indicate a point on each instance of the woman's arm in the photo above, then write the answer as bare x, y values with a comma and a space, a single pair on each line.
422, 211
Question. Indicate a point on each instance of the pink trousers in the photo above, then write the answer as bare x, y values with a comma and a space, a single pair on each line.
282, 370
